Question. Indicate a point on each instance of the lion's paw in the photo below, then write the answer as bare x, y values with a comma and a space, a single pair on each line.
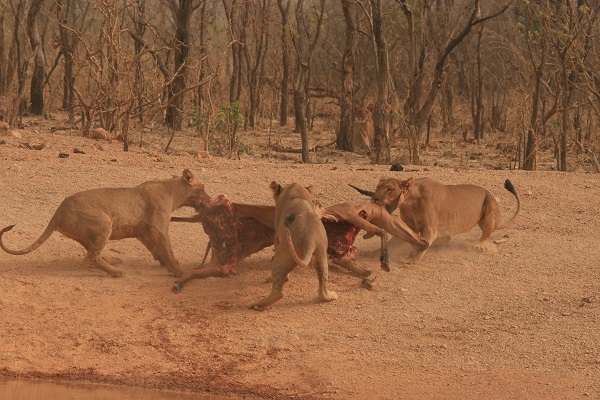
329, 296
486, 247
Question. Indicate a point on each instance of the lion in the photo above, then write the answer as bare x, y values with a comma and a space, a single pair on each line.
297, 226
93, 217
437, 211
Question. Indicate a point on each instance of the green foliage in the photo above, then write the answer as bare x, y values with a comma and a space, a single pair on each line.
228, 141
199, 121
229, 117
224, 137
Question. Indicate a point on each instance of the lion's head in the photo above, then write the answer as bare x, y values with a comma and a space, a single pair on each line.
391, 192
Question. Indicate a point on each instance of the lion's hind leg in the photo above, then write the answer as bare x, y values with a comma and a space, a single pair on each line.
94, 258
323, 274
487, 225
94, 247
489, 220
283, 264
94, 238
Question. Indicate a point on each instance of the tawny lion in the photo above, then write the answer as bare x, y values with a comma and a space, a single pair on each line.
437, 211
297, 226
93, 217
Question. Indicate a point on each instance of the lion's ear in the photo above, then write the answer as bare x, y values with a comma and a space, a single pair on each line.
276, 188
311, 189
187, 176
408, 183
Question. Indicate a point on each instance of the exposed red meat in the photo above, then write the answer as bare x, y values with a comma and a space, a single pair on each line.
341, 236
234, 237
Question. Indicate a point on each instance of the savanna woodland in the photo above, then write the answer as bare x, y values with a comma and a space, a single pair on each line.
113, 93
384, 75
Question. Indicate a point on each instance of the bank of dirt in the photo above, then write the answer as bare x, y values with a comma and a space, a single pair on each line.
520, 323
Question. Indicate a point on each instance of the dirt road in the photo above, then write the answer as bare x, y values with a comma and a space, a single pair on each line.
519, 324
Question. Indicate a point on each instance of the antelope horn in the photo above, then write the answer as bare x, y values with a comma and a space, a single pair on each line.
362, 191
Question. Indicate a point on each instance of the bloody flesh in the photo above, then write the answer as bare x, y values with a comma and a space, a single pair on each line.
234, 237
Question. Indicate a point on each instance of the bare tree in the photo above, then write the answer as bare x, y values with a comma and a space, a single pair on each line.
39, 60
17, 63
346, 129
284, 9
255, 51
374, 13
304, 56
477, 109
181, 11
418, 105
236, 33
3, 58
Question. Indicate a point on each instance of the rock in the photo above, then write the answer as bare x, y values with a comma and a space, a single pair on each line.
78, 150
63, 155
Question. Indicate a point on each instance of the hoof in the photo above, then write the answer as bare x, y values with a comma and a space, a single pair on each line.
367, 284
177, 286
256, 307
385, 263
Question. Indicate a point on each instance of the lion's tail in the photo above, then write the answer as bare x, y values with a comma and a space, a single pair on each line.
45, 235
286, 223
509, 186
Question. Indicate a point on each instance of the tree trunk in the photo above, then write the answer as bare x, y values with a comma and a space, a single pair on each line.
303, 64
255, 62
182, 13
380, 113
299, 106
39, 61
478, 115
344, 139
3, 59
140, 29
285, 60
18, 65
564, 129
200, 92
530, 156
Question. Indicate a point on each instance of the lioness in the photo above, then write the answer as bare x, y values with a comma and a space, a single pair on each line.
93, 217
437, 211
297, 226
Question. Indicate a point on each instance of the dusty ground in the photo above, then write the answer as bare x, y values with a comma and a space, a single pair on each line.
519, 324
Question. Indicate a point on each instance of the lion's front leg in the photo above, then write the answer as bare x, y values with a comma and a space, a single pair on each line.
159, 245
415, 256
486, 246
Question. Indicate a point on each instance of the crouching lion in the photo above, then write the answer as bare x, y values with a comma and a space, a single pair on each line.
93, 217
437, 211
297, 226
